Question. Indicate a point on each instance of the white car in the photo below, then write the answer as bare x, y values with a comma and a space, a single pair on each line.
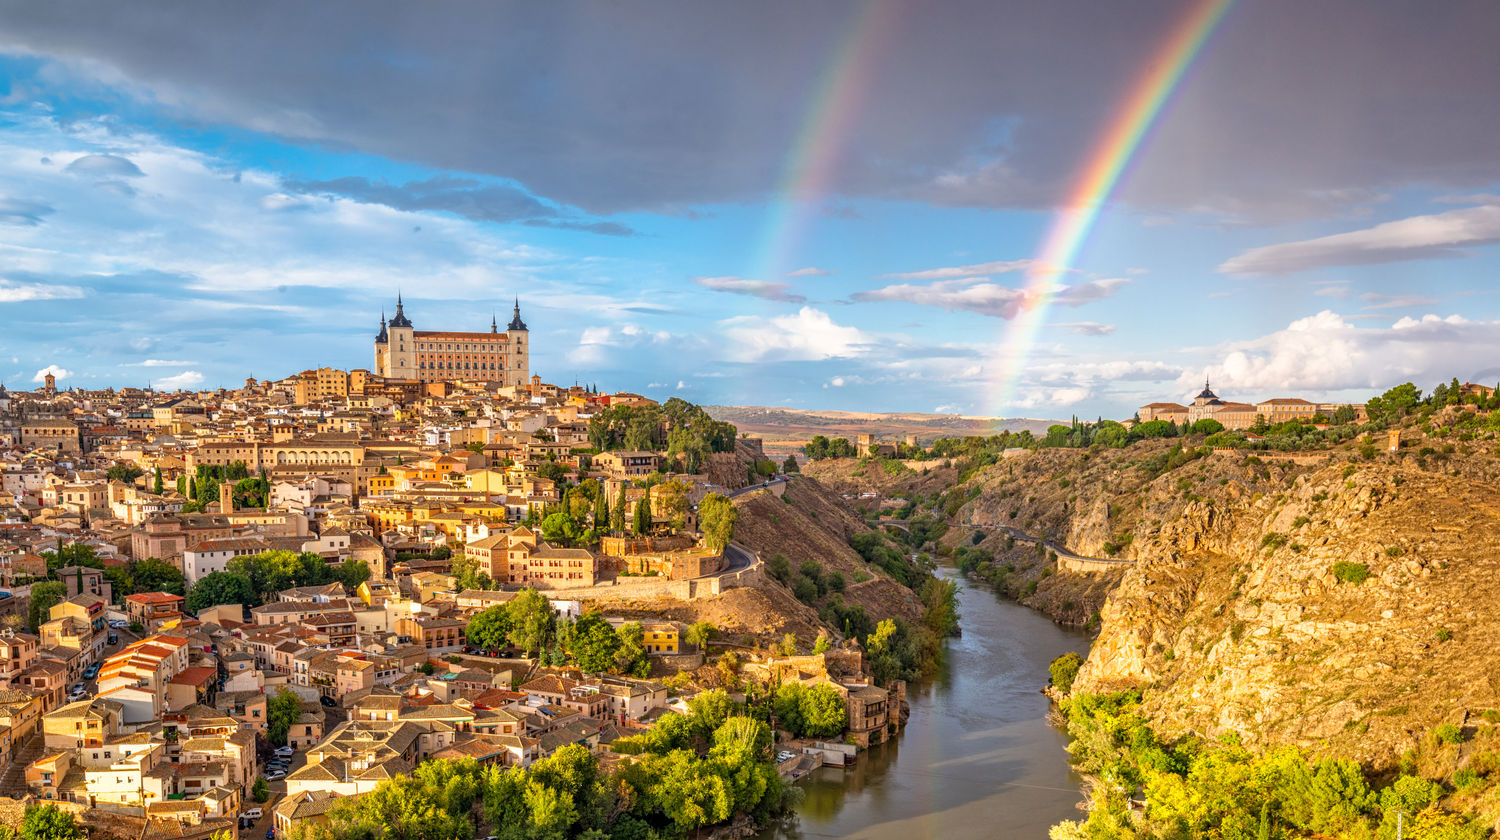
251, 814
275, 775
284, 752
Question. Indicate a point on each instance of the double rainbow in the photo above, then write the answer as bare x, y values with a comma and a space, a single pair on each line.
1081, 209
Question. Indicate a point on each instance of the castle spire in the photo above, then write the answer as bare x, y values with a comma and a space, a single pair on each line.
494, 326
515, 321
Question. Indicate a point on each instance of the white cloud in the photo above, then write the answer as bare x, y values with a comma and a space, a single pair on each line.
810, 271
181, 380
681, 385
837, 382
976, 270
1329, 352
808, 335
1416, 238
56, 370
1378, 301
754, 288
985, 298
163, 363
12, 292
1085, 327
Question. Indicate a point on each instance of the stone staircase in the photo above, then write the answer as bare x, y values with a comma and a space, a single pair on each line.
13, 776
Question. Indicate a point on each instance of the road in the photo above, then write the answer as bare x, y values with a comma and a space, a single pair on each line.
739, 560
780, 479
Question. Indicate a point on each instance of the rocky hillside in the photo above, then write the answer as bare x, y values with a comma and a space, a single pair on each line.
1339, 602
1351, 611
813, 523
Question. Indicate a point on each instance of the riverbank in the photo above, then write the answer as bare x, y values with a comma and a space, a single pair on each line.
977, 759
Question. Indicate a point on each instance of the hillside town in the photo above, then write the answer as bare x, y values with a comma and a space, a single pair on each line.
229, 610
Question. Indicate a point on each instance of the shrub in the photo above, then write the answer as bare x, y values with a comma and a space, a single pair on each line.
1273, 541
1448, 733
1064, 670
1443, 634
1348, 572
1393, 551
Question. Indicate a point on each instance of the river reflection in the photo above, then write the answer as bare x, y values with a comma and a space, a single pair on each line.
977, 758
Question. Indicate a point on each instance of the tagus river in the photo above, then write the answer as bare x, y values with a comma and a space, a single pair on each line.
977, 758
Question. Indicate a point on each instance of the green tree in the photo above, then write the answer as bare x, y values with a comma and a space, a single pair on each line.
153, 575
716, 517
490, 628
156, 483
1064, 670
48, 822
672, 502
601, 510
700, 633
1393, 403
594, 643
642, 523
790, 465
126, 473
282, 711
44, 596
630, 656
709, 710
617, 513
824, 714
260, 790
217, 588
531, 620
352, 572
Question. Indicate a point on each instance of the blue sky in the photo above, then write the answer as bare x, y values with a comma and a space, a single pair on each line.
195, 196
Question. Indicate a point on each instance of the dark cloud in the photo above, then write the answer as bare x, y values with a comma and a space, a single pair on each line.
20, 211
105, 166
763, 289
605, 228
1292, 108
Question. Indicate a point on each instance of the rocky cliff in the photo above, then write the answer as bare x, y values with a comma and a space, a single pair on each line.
1344, 602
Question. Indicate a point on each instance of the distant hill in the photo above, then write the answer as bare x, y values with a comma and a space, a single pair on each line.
787, 429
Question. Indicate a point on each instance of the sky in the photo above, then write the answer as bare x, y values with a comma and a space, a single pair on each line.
834, 205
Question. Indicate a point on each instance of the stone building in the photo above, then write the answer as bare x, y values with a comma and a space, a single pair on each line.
403, 352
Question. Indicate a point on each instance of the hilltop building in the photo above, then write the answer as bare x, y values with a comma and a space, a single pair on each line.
403, 352
1238, 415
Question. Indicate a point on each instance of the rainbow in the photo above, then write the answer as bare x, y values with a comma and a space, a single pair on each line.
813, 161
1106, 162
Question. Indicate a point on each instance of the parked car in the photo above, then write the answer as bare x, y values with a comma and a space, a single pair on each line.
246, 823
114, 638
785, 755
91, 671
327, 701
275, 775
251, 813
284, 752
118, 624
271, 834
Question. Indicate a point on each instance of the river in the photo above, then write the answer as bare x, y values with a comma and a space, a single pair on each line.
977, 758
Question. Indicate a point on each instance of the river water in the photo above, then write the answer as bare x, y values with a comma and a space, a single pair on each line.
977, 758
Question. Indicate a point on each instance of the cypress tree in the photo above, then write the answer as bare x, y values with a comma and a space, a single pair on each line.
156, 485
617, 515
601, 510
643, 515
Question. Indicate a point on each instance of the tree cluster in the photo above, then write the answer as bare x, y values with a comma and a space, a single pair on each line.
691, 772
255, 579
1220, 789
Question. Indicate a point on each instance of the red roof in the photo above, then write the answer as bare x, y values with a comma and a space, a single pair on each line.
154, 598
195, 676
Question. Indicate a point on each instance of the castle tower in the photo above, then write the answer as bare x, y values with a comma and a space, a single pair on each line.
518, 365
226, 497
50, 389
401, 345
